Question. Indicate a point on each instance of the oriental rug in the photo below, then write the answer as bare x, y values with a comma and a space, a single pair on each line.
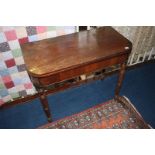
113, 114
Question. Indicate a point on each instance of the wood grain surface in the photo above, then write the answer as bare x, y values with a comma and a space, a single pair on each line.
50, 56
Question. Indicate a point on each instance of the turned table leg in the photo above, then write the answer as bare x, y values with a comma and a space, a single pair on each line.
44, 102
120, 79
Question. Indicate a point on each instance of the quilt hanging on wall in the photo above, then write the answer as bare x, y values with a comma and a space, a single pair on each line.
14, 80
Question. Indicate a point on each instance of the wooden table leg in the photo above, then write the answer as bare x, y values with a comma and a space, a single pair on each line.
44, 102
120, 79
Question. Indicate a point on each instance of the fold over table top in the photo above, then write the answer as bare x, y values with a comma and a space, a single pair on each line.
54, 55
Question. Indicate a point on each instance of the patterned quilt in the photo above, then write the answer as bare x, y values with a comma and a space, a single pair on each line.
14, 80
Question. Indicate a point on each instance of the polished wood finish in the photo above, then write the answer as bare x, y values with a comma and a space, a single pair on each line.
84, 69
44, 101
50, 56
120, 79
57, 59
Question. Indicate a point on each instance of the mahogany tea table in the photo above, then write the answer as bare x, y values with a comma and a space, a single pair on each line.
65, 57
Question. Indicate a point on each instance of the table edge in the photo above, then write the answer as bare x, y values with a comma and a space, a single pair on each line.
31, 73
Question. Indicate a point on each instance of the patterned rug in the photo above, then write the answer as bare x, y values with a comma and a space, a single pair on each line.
120, 114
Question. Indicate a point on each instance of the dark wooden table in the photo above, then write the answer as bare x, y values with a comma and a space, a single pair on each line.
57, 59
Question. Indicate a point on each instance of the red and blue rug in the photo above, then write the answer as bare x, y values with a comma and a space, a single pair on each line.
113, 114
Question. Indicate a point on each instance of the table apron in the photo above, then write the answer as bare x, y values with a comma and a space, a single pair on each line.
77, 71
